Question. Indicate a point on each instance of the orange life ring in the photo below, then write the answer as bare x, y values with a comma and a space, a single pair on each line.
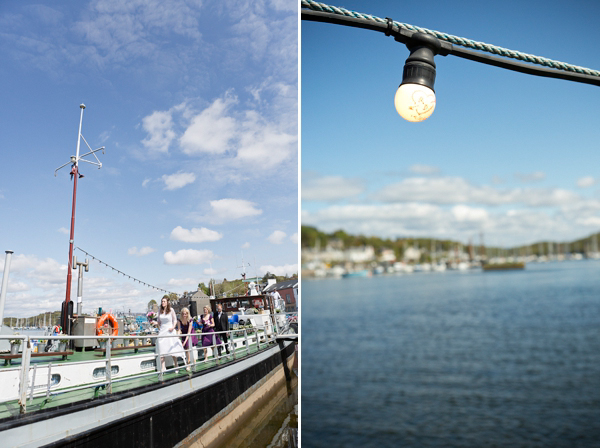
113, 321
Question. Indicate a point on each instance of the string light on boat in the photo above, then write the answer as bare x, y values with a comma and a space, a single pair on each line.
415, 98
124, 274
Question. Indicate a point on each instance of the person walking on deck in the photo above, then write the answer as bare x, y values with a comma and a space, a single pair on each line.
222, 324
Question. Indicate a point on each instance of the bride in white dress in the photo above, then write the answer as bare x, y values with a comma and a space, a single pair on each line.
167, 323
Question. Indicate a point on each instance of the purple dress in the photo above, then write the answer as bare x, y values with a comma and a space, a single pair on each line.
208, 332
184, 329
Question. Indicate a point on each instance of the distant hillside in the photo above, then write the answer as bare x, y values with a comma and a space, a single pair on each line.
314, 238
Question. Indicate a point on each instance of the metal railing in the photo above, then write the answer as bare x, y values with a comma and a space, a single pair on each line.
286, 323
240, 340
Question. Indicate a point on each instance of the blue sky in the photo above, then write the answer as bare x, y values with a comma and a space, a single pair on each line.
197, 106
510, 155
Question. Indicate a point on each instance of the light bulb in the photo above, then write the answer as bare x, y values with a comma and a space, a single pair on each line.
414, 102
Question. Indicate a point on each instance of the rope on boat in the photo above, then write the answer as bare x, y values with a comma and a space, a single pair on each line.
322, 7
123, 273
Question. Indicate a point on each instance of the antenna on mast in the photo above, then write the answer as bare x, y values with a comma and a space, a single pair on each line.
74, 160
75, 175
211, 288
243, 266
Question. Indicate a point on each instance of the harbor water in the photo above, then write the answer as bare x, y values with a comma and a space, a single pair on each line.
465, 359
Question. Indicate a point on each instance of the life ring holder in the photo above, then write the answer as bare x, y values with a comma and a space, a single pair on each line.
112, 320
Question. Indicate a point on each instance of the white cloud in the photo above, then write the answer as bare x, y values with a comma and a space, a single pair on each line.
397, 219
118, 32
246, 245
288, 269
519, 225
178, 180
592, 222
195, 235
453, 190
140, 252
188, 256
445, 190
159, 126
145, 183
464, 213
212, 130
183, 282
64, 231
243, 137
229, 209
17, 287
546, 197
234, 138
330, 188
39, 284
30, 272
294, 238
210, 271
277, 237
284, 5
261, 144
585, 182
424, 170
531, 177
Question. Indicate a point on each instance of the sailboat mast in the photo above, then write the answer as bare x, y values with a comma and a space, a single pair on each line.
74, 162
75, 174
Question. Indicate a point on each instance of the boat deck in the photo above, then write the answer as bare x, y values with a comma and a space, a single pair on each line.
58, 397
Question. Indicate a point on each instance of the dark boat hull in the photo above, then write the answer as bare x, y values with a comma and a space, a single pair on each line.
503, 266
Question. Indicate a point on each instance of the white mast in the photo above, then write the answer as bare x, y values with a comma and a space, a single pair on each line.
4, 285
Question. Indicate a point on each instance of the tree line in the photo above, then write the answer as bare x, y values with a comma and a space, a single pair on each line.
312, 238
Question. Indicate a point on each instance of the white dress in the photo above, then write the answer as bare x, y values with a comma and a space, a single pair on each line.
168, 346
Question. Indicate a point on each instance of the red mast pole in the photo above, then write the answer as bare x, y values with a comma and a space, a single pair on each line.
75, 174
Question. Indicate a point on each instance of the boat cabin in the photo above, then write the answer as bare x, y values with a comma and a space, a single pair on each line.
233, 304
288, 290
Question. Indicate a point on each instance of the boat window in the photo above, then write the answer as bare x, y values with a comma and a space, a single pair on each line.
100, 372
55, 379
148, 365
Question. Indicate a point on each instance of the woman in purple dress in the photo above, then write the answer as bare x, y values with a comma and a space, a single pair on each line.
185, 327
208, 330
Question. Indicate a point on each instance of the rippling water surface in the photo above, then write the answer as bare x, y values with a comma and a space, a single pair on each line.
453, 359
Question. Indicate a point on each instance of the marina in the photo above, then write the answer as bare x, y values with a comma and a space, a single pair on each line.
505, 358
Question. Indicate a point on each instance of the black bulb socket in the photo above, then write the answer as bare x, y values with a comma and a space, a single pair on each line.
419, 68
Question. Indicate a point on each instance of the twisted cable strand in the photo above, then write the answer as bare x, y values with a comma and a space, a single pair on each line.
322, 7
